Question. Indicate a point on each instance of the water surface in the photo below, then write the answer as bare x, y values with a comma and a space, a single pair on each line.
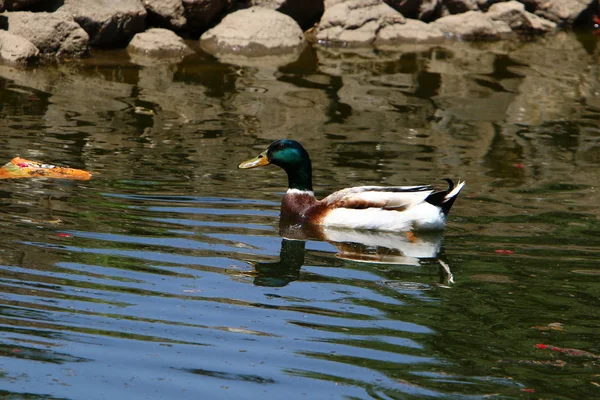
167, 275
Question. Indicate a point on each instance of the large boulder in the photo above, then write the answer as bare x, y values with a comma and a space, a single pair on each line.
305, 12
329, 3
356, 22
17, 49
159, 42
166, 13
411, 31
472, 25
54, 34
514, 14
108, 22
254, 32
563, 12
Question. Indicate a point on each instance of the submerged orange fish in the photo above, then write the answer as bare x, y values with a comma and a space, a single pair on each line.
21, 168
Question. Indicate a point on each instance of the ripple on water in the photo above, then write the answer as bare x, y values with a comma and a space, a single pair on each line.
173, 286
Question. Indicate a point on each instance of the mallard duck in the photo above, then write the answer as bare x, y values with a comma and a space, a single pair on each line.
395, 208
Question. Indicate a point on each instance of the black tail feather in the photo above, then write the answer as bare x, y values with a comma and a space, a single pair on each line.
448, 205
439, 199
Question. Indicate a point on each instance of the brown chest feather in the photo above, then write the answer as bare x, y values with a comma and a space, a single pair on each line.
298, 205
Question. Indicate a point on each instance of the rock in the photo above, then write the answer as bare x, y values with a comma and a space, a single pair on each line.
356, 22
425, 10
52, 33
472, 25
159, 42
166, 13
563, 12
514, 14
411, 31
331, 3
305, 12
254, 32
202, 14
17, 49
107, 22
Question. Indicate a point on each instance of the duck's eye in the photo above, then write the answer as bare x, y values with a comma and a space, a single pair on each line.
260, 156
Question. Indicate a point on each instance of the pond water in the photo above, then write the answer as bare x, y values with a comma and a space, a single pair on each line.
167, 276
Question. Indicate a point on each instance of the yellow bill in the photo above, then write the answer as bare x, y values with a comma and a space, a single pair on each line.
257, 161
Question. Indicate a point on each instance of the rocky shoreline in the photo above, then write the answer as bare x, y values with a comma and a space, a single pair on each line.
38, 30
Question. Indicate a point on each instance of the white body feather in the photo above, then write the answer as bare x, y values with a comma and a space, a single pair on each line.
423, 216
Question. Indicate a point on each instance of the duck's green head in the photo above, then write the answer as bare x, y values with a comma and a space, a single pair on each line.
289, 155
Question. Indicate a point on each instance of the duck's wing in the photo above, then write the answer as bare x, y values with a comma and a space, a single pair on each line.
384, 197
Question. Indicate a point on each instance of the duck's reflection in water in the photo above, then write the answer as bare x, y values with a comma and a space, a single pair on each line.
398, 248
